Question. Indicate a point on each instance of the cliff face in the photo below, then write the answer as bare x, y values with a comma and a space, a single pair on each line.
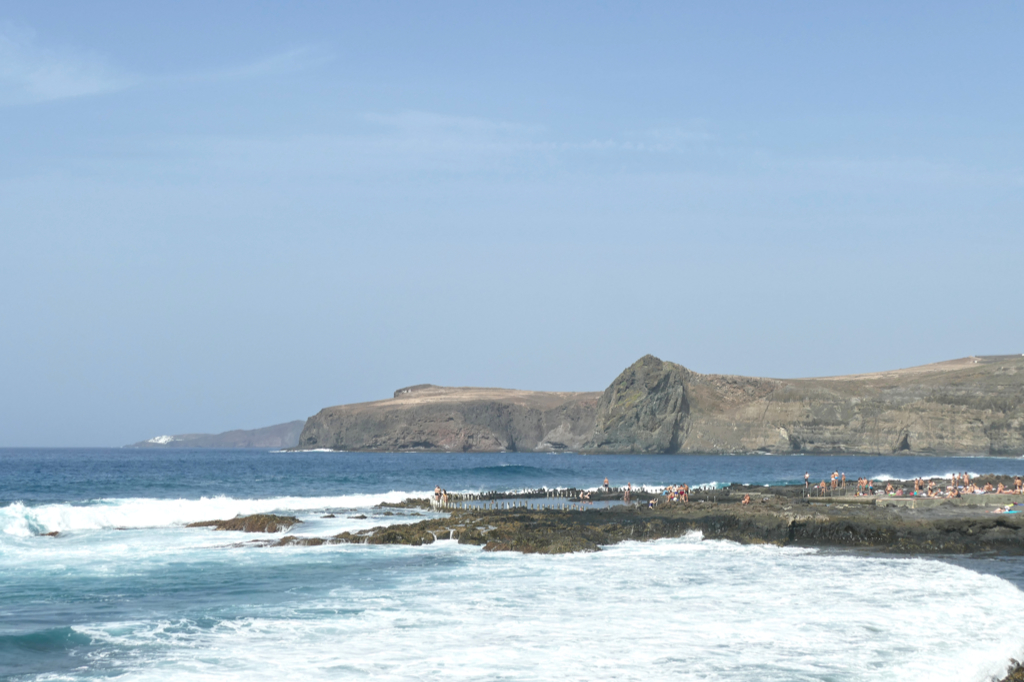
969, 406
973, 405
645, 410
456, 420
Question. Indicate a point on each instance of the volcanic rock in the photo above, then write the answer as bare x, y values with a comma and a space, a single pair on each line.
973, 405
255, 523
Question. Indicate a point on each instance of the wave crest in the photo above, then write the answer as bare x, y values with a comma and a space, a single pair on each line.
20, 520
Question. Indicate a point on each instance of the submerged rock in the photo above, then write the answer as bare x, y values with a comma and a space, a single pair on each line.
408, 503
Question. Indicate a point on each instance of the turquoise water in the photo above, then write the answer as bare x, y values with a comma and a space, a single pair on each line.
125, 591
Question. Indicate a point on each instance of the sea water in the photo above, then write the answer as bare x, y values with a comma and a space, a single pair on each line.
126, 591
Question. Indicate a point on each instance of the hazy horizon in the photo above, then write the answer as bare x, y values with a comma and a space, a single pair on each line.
231, 216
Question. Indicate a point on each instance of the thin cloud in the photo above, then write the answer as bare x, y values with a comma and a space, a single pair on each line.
428, 123
289, 61
30, 72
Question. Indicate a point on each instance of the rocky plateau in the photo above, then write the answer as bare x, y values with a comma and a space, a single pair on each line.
973, 405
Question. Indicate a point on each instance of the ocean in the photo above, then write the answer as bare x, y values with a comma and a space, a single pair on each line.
125, 591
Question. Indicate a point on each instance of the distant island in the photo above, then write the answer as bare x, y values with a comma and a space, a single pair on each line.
973, 405
277, 436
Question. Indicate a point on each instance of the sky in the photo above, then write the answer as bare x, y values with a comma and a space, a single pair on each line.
229, 215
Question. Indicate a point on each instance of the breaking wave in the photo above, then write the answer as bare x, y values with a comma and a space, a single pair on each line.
19, 519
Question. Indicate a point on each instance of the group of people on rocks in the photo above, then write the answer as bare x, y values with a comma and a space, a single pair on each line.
678, 493
959, 484
672, 493
865, 486
836, 482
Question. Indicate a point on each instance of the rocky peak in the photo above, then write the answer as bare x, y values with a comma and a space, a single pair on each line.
644, 410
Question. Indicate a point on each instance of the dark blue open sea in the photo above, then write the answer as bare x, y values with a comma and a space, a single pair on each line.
125, 591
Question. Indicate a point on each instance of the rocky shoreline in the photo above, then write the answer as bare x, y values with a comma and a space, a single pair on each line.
783, 516
777, 516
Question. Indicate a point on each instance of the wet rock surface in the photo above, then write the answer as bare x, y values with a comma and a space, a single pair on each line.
255, 523
1016, 672
779, 516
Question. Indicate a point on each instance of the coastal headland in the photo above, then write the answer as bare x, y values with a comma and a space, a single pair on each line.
973, 405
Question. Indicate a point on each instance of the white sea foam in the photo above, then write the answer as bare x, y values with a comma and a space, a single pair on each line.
712, 485
21, 520
674, 609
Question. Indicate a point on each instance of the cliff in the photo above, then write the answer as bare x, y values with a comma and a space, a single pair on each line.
429, 417
969, 406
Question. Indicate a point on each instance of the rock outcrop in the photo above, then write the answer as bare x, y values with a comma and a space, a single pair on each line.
254, 523
645, 410
969, 406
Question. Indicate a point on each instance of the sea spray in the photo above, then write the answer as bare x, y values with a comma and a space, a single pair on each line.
126, 590
22, 520
671, 609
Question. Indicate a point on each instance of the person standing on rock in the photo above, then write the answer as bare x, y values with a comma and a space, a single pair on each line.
807, 480
606, 484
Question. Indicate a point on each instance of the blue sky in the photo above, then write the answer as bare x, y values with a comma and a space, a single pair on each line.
228, 215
